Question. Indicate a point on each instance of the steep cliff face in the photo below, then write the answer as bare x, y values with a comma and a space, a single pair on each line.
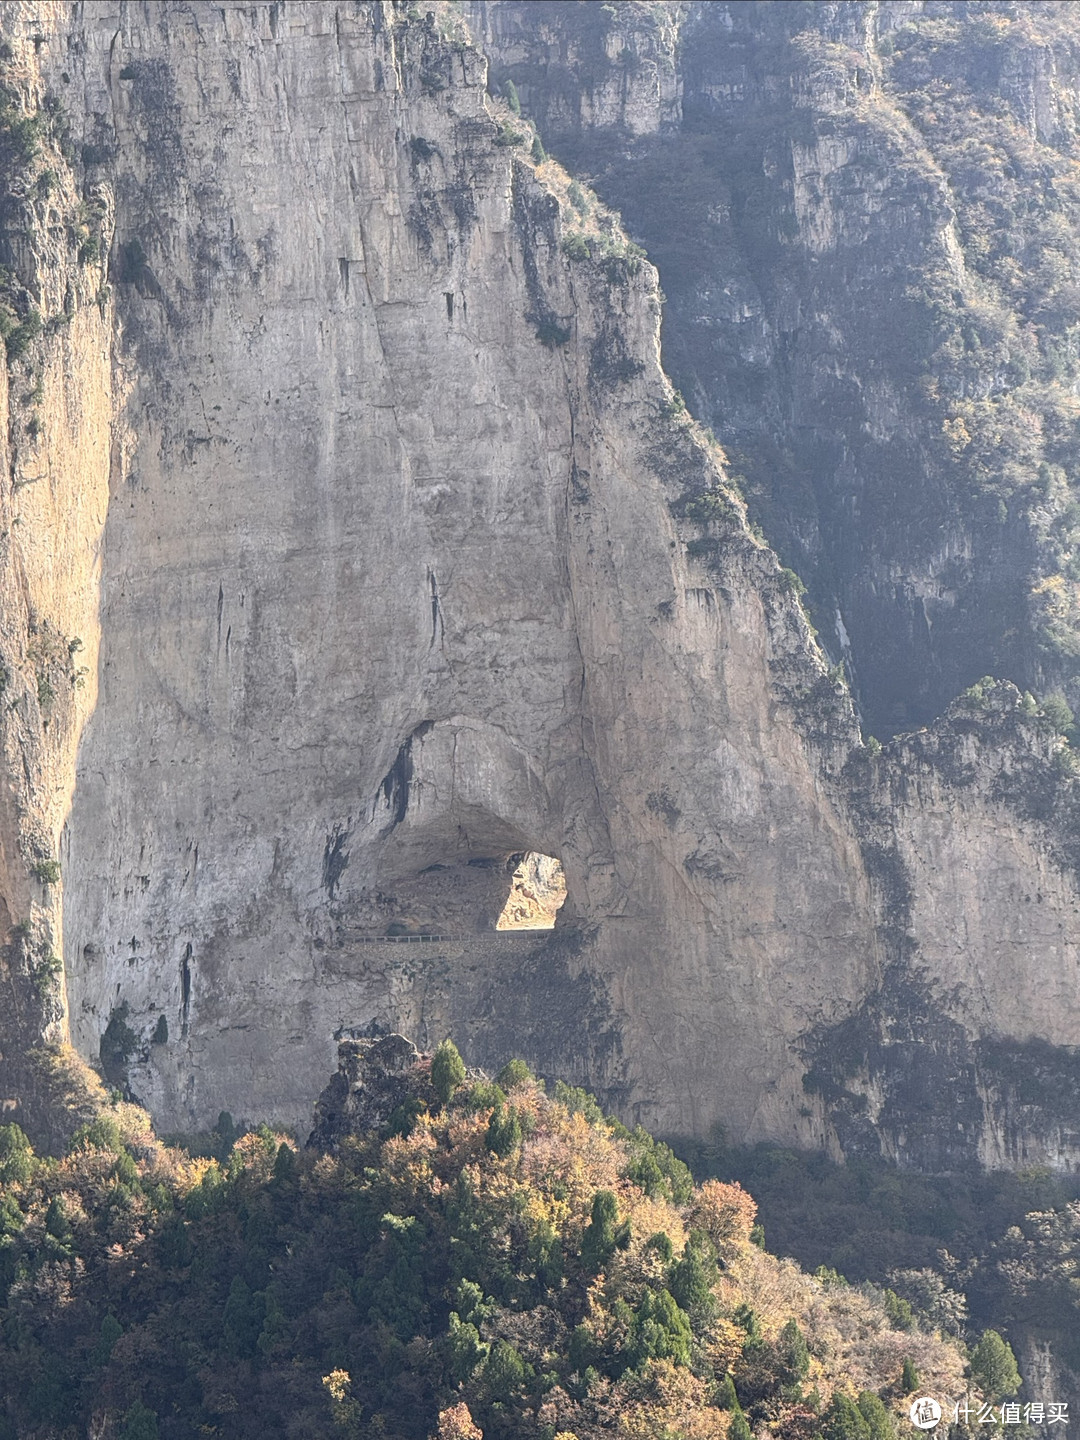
966, 1055
56, 407
393, 588
412, 563
871, 296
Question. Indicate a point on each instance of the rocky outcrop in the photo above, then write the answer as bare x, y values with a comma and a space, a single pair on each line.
870, 289
414, 563
376, 1074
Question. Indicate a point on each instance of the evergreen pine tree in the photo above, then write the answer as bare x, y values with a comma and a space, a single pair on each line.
993, 1365
792, 1353
598, 1241
726, 1399
878, 1420
739, 1429
447, 1071
504, 1131
843, 1420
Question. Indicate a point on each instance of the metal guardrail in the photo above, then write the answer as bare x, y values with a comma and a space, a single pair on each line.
443, 939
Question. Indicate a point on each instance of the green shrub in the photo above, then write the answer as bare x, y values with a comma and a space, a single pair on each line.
633, 257
465, 1349
791, 583
514, 1072
512, 97
47, 871
19, 337
661, 1244
899, 1311
577, 197
575, 247
90, 250
539, 154
508, 136
710, 505
21, 135
655, 1168
503, 1132
46, 971
578, 1102
483, 1095
746, 1316
447, 1071
1056, 714
403, 1117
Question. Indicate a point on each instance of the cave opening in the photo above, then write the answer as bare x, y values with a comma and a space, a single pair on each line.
459, 894
468, 839
537, 892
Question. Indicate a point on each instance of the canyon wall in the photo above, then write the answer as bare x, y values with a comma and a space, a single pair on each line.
413, 561
871, 297
58, 404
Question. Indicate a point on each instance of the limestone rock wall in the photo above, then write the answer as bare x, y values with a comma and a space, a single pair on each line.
392, 581
413, 563
967, 1053
57, 408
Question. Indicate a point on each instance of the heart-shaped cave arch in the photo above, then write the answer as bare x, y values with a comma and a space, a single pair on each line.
470, 838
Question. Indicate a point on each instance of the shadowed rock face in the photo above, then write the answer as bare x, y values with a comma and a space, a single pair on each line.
375, 1075
870, 293
410, 566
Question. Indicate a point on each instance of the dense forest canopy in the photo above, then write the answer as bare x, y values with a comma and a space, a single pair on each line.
490, 1259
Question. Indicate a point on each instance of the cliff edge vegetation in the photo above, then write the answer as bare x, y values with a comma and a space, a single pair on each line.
486, 1260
